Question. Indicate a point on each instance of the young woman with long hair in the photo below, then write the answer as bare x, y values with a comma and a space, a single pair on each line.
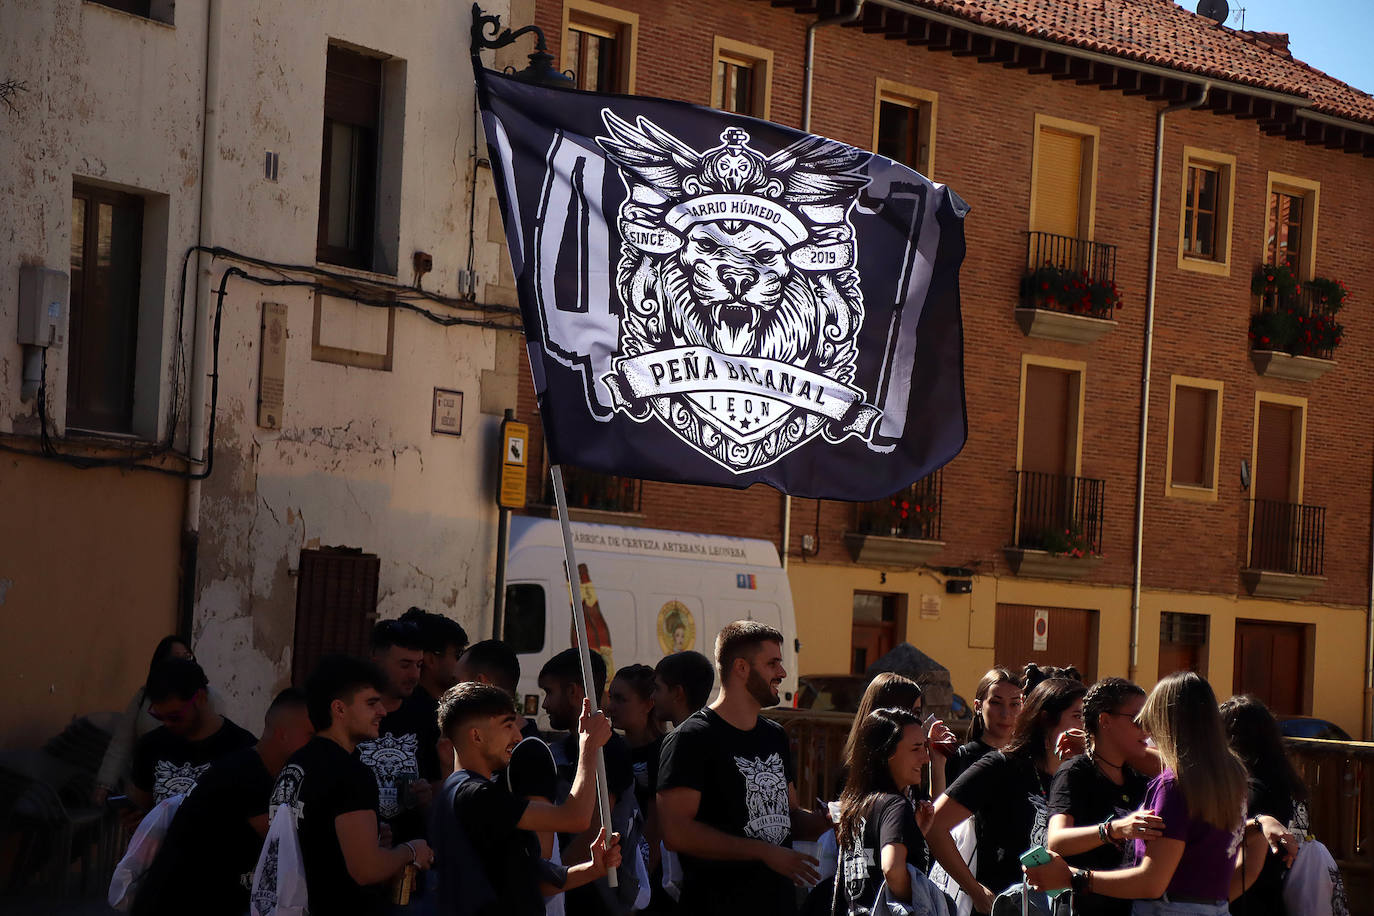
1198, 861
1095, 802
630, 705
877, 834
889, 690
996, 704
1006, 793
1276, 789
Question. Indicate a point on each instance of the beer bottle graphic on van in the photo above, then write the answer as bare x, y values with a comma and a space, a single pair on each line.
598, 631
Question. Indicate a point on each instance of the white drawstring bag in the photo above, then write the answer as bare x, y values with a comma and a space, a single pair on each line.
1313, 886
138, 858
966, 839
279, 879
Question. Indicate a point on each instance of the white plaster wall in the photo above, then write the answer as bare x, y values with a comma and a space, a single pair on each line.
118, 99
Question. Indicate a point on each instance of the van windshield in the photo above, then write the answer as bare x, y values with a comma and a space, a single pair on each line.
524, 624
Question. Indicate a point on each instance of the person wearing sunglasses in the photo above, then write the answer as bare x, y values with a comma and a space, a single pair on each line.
170, 758
1095, 802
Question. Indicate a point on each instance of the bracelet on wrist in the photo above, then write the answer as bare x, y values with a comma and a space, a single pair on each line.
414, 856
1104, 833
1081, 881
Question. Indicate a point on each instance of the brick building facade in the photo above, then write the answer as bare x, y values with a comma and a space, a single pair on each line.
1256, 547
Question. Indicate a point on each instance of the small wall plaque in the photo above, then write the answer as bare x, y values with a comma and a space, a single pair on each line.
447, 418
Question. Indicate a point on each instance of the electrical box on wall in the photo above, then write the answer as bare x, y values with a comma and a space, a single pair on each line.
42, 306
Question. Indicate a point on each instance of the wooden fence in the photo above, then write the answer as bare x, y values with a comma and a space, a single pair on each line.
1339, 777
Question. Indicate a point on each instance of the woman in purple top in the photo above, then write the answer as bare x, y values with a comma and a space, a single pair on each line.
1199, 862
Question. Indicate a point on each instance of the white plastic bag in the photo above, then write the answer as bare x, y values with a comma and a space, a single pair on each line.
966, 839
279, 879
143, 847
1313, 886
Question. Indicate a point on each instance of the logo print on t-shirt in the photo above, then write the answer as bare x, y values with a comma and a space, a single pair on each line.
287, 791
171, 778
388, 757
857, 860
765, 795
265, 897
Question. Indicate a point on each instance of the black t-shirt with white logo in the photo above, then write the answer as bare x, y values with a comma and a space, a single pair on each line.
165, 764
743, 778
206, 861
965, 756
1009, 800
890, 822
320, 782
404, 751
509, 856
1083, 792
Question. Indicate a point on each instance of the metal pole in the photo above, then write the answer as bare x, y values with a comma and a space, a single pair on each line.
502, 547
603, 795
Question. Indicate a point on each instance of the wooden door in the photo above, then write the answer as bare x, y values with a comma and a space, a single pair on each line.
1275, 488
1059, 184
1049, 447
1271, 663
336, 606
1070, 640
875, 632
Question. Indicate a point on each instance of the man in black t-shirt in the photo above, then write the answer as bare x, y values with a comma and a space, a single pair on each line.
682, 685
404, 756
726, 799
333, 796
491, 661
169, 759
561, 681
444, 641
499, 828
205, 863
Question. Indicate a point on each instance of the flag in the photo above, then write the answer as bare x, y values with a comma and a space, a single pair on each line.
710, 298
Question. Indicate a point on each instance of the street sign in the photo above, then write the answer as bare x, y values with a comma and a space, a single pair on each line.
1041, 638
514, 465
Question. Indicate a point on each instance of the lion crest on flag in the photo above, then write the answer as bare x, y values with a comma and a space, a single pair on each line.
742, 305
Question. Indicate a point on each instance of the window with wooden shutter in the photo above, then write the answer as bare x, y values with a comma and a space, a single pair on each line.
336, 606
741, 79
904, 124
1194, 414
348, 169
1205, 204
1291, 223
599, 46
1060, 204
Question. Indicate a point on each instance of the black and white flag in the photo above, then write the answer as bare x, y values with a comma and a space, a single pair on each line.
710, 298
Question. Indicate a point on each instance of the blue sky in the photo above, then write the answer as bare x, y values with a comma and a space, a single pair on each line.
1331, 35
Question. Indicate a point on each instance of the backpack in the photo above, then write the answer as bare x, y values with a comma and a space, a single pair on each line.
143, 847
279, 878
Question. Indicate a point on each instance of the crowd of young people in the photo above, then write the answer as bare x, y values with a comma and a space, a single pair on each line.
419, 759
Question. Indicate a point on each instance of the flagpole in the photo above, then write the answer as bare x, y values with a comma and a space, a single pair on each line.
603, 795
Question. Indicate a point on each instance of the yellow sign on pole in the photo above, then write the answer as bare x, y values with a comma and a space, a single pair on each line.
515, 439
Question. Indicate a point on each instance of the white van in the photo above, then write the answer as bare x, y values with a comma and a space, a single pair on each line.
657, 591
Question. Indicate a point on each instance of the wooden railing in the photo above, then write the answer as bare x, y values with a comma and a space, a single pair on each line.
1340, 787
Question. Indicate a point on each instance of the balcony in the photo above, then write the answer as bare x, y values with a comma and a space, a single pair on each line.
1294, 332
1287, 549
902, 531
1069, 290
593, 496
1057, 525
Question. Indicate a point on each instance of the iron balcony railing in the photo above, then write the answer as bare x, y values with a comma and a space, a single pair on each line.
1058, 512
1304, 301
912, 512
1287, 537
1068, 274
603, 492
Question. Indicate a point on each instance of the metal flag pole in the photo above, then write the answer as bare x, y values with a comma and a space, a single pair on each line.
603, 795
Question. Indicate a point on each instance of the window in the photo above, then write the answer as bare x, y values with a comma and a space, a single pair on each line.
1291, 223
879, 624
1063, 177
157, 10
360, 169
1204, 232
599, 46
523, 629
1182, 643
106, 259
1194, 438
904, 125
742, 79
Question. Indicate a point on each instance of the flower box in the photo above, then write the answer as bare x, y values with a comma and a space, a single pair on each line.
1277, 364
881, 552
1041, 564
1062, 326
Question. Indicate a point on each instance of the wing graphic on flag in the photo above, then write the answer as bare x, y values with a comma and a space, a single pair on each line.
714, 299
